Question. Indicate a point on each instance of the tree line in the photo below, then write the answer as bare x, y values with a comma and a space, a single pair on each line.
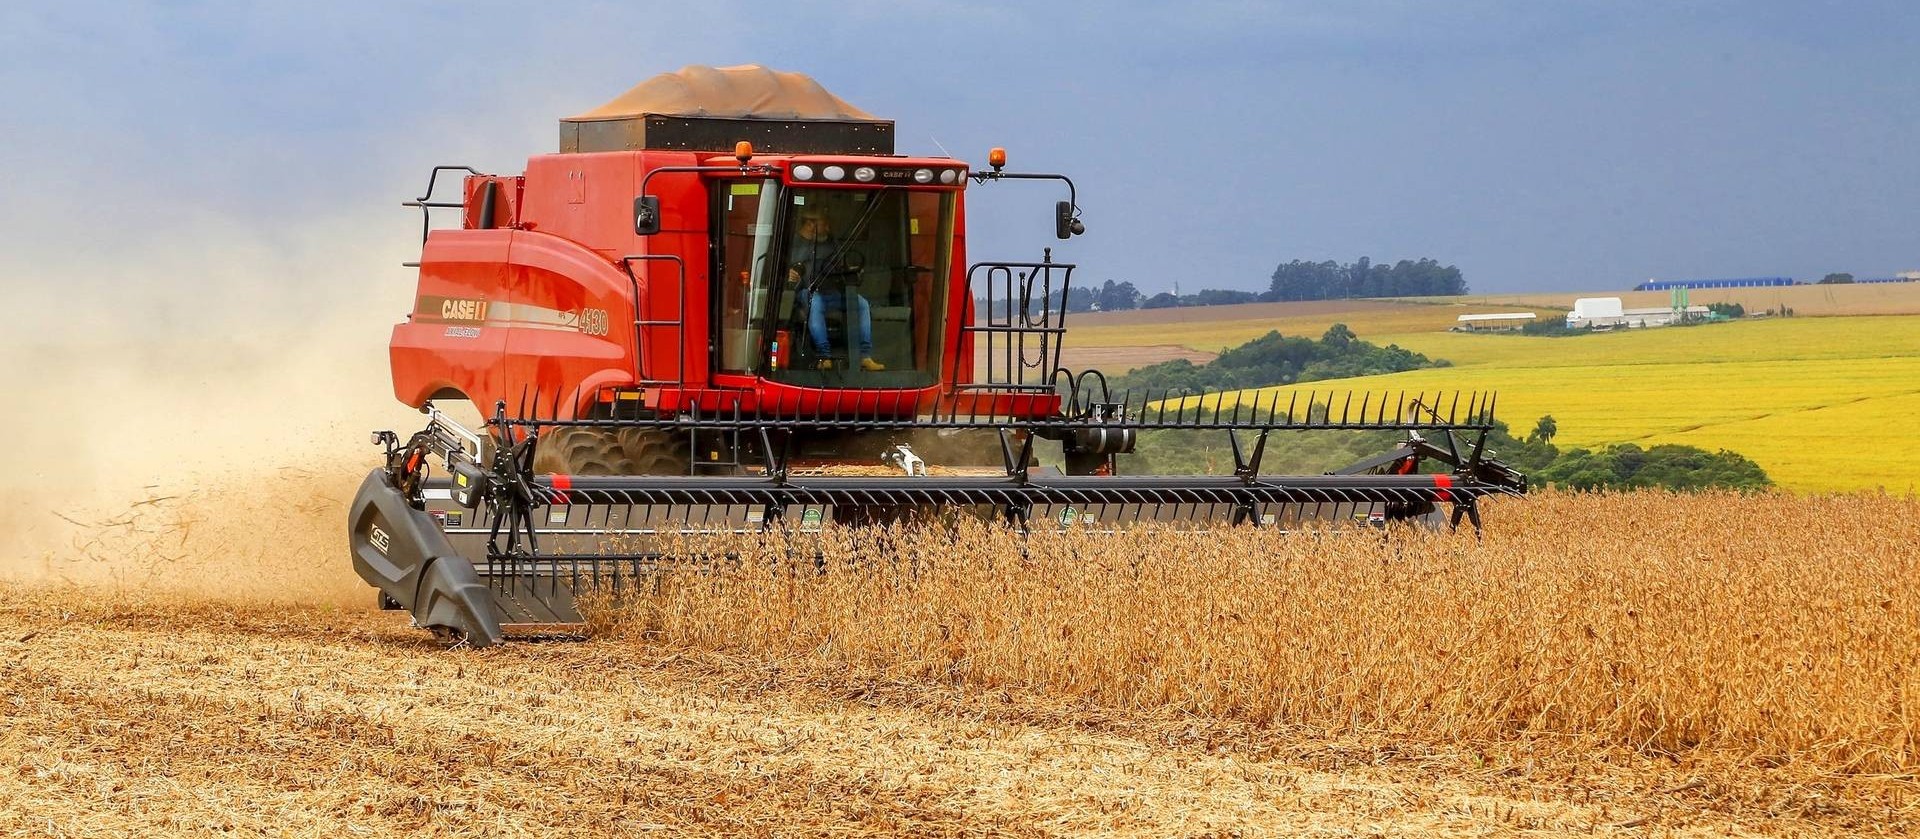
1623, 465
1302, 280
1296, 280
1110, 297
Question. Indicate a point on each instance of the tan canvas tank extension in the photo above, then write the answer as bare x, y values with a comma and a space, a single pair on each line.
710, 108
746, 91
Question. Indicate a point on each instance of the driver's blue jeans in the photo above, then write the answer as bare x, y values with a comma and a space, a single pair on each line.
817, 305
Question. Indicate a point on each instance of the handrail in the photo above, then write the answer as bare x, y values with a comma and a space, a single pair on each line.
680, 325
426, 203
1049, 326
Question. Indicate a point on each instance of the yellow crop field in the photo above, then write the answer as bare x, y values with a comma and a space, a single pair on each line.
1780, 413
1820, 403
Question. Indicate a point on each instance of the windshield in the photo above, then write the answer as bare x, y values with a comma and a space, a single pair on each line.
835, 287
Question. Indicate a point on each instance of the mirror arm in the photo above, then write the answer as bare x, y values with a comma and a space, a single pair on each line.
1067, 213
646, 207
983, 177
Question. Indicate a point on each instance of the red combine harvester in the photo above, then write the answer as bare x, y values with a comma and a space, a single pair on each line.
725, 306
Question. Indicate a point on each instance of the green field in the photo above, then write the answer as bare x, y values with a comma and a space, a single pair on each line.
1823, 404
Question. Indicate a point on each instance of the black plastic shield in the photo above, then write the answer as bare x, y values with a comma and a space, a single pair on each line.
401, 551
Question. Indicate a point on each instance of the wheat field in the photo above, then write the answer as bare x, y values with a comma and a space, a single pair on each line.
1767, 628
1688, 665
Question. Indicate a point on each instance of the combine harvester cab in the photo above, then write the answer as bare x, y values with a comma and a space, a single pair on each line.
727, 307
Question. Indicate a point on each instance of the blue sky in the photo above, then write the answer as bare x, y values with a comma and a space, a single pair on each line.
261, 150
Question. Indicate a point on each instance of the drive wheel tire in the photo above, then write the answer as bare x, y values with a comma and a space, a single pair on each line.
610, 451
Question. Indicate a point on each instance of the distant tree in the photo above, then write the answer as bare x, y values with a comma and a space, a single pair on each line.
1220, 297
1361, 281
1273, 359
1299, 280
1077, 300
1833, 279
1163, 300
1627, 466
1338, 337
1081, 299
1731, 310
1424, 278
1117, 297
1544, 430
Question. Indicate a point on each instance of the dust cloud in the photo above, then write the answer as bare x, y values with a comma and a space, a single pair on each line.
198, 422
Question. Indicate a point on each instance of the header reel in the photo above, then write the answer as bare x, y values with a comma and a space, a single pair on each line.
494, 548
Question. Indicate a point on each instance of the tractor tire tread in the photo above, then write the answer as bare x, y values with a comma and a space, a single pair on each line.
611, 452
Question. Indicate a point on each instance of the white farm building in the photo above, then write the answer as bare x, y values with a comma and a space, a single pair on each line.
1502, 322
1607, 313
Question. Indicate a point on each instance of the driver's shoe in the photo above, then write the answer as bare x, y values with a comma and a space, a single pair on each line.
825, 364
871, 366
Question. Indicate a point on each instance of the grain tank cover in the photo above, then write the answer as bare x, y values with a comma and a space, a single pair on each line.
711, 108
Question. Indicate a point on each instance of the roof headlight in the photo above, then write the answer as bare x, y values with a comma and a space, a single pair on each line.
948, 176
834, 173
923, 176
803, 172
864, 174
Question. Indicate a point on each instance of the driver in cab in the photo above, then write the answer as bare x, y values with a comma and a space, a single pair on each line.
825, 287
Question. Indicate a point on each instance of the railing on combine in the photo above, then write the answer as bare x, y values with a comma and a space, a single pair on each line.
427, 205
642, 324
1016, 341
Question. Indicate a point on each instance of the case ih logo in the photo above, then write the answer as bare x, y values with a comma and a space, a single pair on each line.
456, 309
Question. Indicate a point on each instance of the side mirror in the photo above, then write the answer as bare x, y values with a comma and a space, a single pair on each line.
1065, 226
646, 215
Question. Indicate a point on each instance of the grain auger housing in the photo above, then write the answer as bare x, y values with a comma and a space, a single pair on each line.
725, 306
